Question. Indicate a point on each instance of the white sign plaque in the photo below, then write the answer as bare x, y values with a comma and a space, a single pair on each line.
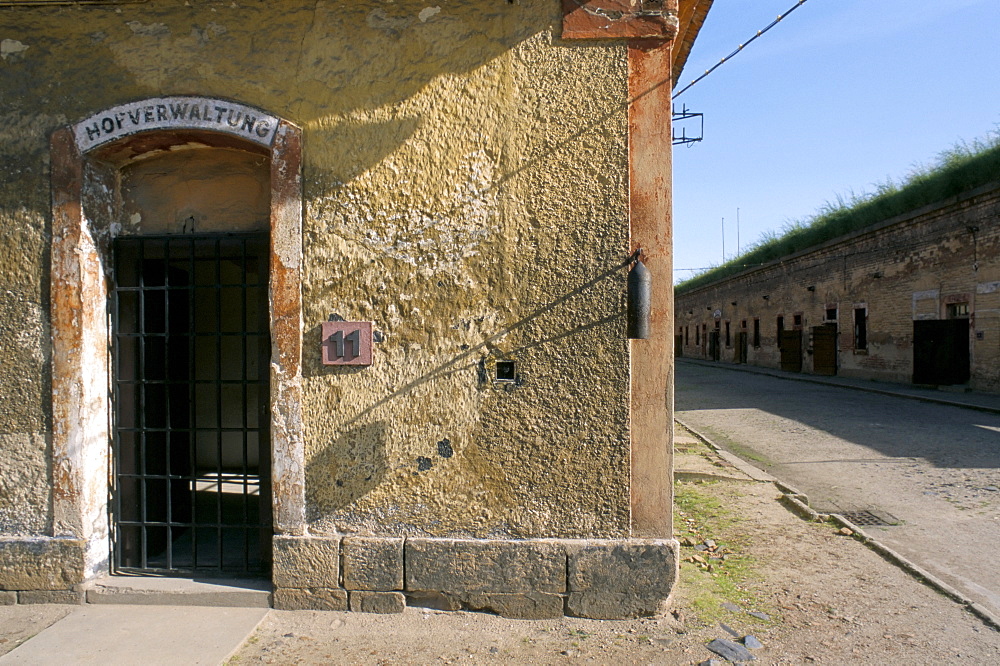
200, 113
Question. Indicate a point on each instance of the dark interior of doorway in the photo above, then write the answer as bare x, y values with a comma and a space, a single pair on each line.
791, 350
941, 351
191, 452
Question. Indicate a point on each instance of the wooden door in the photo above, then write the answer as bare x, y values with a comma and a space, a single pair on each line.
824, 342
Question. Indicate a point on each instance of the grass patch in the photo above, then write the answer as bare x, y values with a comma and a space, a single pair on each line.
700, 516
736, 448
962, 168
701, 508
745, 453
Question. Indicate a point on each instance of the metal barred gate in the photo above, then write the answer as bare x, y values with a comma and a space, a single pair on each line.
190, 449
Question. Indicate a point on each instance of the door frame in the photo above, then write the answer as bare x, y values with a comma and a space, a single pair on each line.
84, 187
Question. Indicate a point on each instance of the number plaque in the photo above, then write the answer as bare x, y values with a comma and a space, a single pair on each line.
347, 343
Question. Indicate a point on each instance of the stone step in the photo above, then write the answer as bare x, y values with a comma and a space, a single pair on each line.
168, 591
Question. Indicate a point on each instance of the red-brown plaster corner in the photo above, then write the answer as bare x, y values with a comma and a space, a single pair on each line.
650, 227
66, 182
288, 448
619, 19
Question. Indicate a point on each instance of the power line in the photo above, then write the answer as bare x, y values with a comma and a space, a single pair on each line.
739, 48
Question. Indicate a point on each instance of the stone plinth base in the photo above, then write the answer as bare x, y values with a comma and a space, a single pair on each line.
531, 579
41, 563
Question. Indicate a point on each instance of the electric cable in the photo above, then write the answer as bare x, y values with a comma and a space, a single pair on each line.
739, 48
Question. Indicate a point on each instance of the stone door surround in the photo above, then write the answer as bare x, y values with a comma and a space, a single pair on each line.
85, 159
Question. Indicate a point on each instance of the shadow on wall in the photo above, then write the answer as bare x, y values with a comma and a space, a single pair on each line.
312, 367
348, 468
352, 465
316, 63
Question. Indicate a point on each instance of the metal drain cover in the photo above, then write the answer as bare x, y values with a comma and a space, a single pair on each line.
870, 518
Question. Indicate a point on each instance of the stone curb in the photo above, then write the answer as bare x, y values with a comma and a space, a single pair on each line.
797, 506
797, 502
918, 572
867, 389
755, 473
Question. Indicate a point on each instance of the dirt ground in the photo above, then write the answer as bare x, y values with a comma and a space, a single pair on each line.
932, 471
822, 596
19, 623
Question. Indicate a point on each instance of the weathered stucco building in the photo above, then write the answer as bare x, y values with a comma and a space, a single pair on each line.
913, 299
333, 293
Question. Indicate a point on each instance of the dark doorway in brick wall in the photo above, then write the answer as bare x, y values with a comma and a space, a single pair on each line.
791, 350
824, 342
941, 351
742, 345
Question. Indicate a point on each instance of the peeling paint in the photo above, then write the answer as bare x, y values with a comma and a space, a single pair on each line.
428, 13
12, 47
148, 29
609, 19
79, 377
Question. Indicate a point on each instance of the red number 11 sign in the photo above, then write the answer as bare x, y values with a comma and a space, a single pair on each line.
347, 343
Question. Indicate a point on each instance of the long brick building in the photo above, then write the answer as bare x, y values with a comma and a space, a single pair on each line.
915, 298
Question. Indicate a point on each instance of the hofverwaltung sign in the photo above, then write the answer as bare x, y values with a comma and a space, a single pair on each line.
192, 113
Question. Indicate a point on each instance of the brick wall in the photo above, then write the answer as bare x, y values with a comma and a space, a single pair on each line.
931, 264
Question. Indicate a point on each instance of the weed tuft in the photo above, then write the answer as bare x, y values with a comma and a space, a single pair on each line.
723, 573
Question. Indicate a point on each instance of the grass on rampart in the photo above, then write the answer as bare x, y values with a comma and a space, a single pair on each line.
960, 169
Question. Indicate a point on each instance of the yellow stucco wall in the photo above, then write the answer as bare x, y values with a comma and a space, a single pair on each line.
464, 188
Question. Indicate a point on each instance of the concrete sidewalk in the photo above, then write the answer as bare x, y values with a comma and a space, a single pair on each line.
128, 634
983, 402
138, 619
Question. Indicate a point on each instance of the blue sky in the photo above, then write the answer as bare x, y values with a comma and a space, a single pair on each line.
839, 96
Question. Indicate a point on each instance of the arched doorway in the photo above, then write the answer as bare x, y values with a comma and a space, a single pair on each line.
177, 239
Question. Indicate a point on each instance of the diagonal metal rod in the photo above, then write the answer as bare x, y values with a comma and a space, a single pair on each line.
739, 48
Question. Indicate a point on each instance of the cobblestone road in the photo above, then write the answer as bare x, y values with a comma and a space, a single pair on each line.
935, 468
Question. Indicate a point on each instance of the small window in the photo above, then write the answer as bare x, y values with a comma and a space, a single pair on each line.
797, 320
831, 314
860, 328
781, 329
506, 371
756, 333
687, 338
728, 339
697, 335
958, 311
